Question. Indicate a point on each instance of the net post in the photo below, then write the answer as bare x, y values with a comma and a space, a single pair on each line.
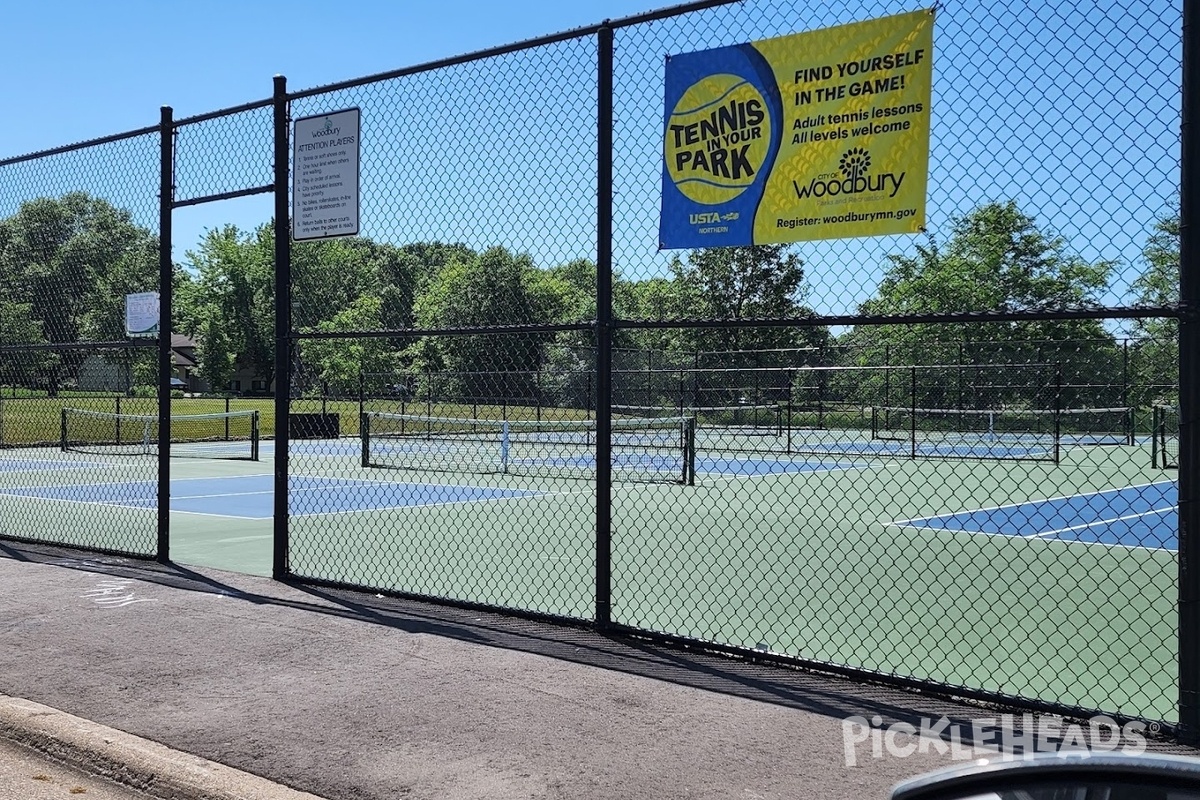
364, 435
1057, 413
64, 444
1155, 421
689, 451
505, 441
912, 417
254, 434
821, 383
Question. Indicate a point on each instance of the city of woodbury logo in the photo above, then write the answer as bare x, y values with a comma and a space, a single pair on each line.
328, 130
854, 167
717, 139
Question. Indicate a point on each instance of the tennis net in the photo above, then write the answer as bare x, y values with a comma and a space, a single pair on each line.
1165, 446
742, 419
223, 435
1026, 432
660, 450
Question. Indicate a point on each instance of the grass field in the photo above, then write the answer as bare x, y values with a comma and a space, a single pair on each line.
37, 420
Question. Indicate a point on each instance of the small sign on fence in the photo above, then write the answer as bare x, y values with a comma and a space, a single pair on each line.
818, 135
141, 315
325, 158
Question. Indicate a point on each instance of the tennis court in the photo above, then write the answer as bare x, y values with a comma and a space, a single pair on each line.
834, 545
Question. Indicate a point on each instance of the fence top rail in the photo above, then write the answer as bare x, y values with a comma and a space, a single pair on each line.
525, 44
224, 112
127, 344
68, 148
948, 317
851, 368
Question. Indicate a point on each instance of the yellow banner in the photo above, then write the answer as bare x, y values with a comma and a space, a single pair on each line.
816, 135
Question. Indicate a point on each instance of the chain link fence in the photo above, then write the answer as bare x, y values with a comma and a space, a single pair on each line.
78, 231
949, 460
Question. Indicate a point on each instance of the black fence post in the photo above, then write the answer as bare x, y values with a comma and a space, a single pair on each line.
1189, 384
283, 328
166, 201
604, 265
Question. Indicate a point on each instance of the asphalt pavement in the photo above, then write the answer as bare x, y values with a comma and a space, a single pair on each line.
195, 683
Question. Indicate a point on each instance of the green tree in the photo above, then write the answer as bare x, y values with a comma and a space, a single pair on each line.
761, 282
1156, 351
995, 259
66, 265
339, 363
495, 288
233, 303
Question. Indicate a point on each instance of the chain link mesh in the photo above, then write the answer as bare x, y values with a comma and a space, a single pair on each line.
223, 154
78, 231
974, 504
946, 458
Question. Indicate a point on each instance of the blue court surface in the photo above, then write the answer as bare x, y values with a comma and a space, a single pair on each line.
252, 496
1144, 516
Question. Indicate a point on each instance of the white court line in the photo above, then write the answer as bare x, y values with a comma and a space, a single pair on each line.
1094, 493
77, 501
218, 516
1016, 537
531, 495
222, 494
226, 477
1107, 521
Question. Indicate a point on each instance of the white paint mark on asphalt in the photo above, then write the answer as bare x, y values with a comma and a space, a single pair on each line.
114, 594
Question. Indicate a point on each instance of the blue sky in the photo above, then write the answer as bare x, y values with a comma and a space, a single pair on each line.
82, 69
1072, 111
92, 69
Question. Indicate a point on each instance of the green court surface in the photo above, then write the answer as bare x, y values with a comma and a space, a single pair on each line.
1044, 580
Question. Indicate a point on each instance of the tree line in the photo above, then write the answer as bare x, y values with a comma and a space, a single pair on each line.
67, 263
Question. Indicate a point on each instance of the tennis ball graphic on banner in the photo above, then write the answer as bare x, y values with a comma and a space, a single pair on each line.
717, 138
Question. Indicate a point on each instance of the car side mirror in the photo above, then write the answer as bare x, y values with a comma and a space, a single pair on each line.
1075, 775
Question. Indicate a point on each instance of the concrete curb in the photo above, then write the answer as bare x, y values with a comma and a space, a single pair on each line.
130, 760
